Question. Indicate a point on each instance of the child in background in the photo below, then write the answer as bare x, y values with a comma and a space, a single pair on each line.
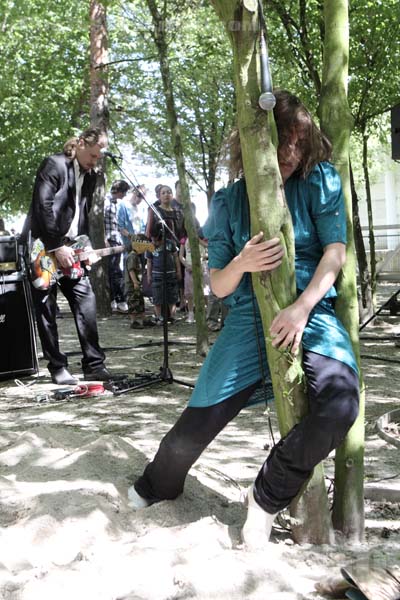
185, 256
134, 290
155, 270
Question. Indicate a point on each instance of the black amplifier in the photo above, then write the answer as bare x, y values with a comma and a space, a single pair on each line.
18, 352
11, 254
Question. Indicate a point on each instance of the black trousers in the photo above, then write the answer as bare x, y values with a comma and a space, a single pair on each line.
333, 394
82, 302
116, 276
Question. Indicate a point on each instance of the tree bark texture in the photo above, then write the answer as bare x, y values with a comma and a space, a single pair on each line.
365, 304
269, 213
371, 234
99, 117
336, 121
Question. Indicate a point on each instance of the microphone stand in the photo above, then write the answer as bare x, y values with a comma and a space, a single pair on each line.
122, 386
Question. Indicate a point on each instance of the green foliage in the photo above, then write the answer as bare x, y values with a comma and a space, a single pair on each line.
43, 66
374, 60
296, 32
200, 62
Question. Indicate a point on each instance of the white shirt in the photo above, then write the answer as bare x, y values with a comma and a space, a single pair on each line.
73, 230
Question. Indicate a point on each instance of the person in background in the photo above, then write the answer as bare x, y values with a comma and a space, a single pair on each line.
177, 200
59, 211
185, 256
169, 214
157, 193
177, 204
235, 365
113, 238
159, 265
216, 312
216, 309
3, 230
134, 291
129, 221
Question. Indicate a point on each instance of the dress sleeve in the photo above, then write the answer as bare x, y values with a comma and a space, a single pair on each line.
218, 231
327, 204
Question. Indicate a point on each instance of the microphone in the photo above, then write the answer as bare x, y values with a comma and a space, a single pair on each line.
106, 152
267, 99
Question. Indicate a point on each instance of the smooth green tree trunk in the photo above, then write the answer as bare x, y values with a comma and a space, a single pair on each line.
269, 213
336, 121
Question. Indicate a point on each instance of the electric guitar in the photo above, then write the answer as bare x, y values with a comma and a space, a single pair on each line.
45, 272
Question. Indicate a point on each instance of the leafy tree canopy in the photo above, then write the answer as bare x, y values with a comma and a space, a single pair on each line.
200, 62
43, 66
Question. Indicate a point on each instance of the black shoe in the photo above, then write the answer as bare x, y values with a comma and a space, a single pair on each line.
137, 325
100, 374
150, 322
63, 377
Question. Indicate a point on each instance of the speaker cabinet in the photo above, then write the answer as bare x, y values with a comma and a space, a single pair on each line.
18, 352
11, 254
395, 125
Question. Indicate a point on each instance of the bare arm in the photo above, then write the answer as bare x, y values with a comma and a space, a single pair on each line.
182, 254
133, 278
178, 267
149, 270
255, 256
288, 326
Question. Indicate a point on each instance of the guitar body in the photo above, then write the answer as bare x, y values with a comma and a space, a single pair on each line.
43, 267
45, 271
80, 244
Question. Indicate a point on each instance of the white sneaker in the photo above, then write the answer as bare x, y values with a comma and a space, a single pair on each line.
257, 528
136, 501
190, 318
114, 305
122, 307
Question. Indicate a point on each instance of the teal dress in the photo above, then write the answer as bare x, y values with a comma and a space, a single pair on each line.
238, 357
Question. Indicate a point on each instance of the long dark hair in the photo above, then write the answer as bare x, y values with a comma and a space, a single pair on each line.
291, 116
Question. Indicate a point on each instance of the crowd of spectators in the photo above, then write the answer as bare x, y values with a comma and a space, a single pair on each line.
139, 274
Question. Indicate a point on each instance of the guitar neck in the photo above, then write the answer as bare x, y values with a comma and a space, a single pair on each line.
139, 247
100, 252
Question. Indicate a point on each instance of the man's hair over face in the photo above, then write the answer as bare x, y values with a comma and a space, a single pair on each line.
91, 137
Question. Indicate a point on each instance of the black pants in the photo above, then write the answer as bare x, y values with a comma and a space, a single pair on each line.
333, 408
116, 276
82, 302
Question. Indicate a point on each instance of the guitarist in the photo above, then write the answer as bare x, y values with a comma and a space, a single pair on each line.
62, 198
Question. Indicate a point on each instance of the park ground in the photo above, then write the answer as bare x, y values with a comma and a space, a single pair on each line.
67, 530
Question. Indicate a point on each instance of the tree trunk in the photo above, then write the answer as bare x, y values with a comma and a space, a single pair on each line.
160, 30
365, 304
336, 121
371, 235
269, 213
99, 117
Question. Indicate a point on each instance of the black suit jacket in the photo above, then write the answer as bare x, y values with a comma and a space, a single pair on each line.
53, 201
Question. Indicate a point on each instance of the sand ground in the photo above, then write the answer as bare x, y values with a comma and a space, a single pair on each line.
67, 530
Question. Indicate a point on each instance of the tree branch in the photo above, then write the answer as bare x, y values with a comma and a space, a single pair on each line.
125, 60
